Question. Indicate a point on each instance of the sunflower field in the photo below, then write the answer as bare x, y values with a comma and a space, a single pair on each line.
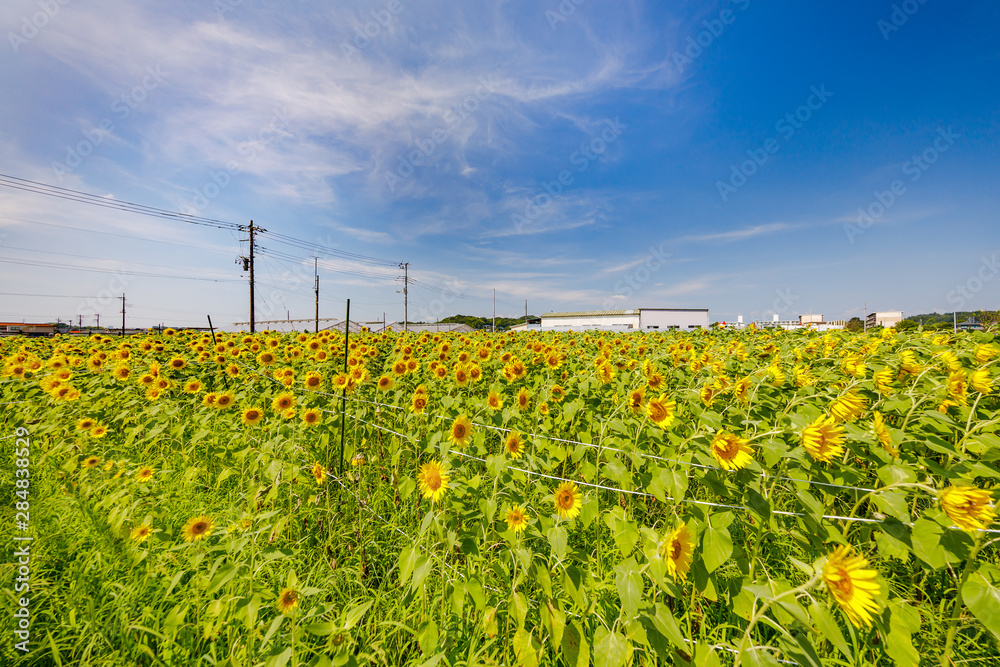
546, 498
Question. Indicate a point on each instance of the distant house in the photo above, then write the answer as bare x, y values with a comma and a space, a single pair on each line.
971, 325
26, 329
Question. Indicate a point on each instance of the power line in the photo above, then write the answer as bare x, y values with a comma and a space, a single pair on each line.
145, 274
124, 236
121, 205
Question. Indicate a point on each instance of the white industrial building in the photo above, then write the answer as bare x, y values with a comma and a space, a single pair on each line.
885, 319
635, 319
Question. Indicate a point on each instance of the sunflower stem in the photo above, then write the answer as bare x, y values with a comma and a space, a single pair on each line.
956, 610
760, 612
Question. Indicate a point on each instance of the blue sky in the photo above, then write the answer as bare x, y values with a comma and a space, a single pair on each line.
743, 156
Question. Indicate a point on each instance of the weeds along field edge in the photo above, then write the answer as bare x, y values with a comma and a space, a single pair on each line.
713, 498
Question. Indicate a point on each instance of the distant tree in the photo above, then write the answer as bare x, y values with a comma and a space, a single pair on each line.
988, 318
907, 325
855, 324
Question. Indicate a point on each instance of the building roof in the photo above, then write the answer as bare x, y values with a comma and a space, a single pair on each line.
610, 313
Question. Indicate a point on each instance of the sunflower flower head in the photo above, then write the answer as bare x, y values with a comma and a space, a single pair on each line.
970, 508
433, 480
848, 407
676, 549
514, 445
288, 599
197, 528
517, 520
823, 439
461, 431
852, 585
660, 410
568, 500
731, 451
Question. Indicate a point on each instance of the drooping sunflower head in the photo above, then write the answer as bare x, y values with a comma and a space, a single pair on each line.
637, 400
970, 508
660, 410
319, 473
823, 439
288, 600
852, 586
197, 528
675, 549
568, 500
731, 451
461, 431
848, 407
433, 480
981, 381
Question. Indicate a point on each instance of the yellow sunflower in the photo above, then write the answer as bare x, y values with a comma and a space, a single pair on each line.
144, 474
676, 549
848, 407
517, 521
283, 402
86, 424
288, 600
980, 381
224, 400
971, 508
637, 400
852, 586
661, 410
319, 473
461, 431
197, 528
882, 433
385, 383
514, 444
141, 533
252, 416
311, 417
433, 480
91, 461
568, 500
823, 439
99, 431
494, 401
731, 451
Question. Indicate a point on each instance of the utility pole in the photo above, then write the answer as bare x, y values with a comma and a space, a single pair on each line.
494, 310
316, 270
866, 316
80, 322
954, 319
123, 313
406, 282
251, 277
525, 314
